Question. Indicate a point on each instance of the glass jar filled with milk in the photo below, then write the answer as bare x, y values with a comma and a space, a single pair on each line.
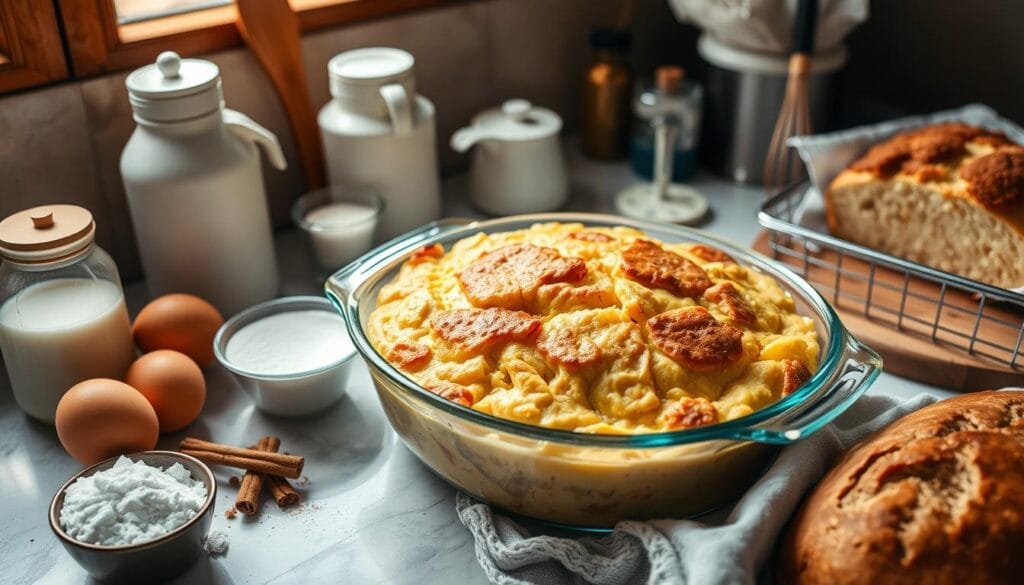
63, 317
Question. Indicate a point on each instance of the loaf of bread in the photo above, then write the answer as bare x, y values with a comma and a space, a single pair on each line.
937, 497
949, 196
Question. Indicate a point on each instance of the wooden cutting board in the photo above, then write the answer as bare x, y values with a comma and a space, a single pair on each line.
912, 345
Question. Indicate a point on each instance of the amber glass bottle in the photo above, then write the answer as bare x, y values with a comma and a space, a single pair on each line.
606, 96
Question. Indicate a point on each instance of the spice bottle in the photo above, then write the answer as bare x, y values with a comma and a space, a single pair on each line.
62, 313
191, 172
606, 96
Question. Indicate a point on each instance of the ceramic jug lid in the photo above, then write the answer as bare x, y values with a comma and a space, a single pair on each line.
372, 66
173, 88
517, 120
46, 233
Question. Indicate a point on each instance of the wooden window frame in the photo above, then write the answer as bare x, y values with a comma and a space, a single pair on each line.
97, 44
31, 52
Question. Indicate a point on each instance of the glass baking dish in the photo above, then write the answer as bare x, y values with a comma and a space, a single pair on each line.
591, 480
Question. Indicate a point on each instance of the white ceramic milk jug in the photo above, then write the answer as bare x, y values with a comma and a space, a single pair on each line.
518, 166
191, 171
378, 132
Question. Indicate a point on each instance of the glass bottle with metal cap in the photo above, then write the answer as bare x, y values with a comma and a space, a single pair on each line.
192, 175
675, 98
62, 312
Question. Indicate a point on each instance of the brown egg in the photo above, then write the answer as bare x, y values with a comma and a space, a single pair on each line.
180, 322
100, 418
173, 384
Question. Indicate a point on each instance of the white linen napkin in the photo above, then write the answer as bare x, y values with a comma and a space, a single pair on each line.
679, 552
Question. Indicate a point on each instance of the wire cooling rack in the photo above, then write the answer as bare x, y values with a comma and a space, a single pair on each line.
980, 319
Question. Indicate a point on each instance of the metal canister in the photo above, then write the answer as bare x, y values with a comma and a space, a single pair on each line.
744, 92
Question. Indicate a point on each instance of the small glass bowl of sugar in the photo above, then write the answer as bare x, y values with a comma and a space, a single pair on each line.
339, 224
292, 355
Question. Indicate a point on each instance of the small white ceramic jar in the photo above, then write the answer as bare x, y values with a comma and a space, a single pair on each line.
518, 165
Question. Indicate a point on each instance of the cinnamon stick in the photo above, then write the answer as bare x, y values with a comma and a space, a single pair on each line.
247, 463
193, 444
283, 492
251, 489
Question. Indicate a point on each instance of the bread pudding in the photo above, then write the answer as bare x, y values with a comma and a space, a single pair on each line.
597, 330
950, 196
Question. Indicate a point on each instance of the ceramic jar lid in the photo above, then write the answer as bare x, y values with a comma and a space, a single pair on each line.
370, 67
517, 120
174, 89
46, 233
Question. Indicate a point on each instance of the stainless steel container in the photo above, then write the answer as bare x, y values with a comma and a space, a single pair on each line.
744, 92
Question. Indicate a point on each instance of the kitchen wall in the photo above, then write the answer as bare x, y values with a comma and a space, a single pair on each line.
63, 143
916, 56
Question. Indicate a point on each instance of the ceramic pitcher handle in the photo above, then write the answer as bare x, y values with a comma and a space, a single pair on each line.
397, 101
464, 139
245, 128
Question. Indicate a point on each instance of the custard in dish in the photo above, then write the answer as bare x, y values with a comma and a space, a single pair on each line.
593, 329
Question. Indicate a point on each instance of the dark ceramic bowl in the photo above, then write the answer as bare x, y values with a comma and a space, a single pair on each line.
151, 561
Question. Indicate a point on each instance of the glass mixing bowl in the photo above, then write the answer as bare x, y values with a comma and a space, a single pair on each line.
590, 480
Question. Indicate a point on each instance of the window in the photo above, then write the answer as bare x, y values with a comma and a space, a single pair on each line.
129, 11
100, 36
30, 46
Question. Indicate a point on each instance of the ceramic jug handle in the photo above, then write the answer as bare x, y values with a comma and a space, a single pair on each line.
245, 128
397, 101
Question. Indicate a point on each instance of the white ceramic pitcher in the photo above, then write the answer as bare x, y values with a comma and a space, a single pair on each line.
378, 132
518, 166
191, 171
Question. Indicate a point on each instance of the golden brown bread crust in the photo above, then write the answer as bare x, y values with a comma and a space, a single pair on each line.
923, 149
936, 497
651, 265
996, 180
989, 164
693, 337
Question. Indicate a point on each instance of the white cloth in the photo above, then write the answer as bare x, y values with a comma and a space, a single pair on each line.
679, 552
767, 25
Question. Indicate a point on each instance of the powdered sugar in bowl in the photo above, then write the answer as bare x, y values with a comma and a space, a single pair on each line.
292, 355
116, 546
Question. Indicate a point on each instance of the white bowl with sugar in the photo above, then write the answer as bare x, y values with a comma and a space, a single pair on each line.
292, 355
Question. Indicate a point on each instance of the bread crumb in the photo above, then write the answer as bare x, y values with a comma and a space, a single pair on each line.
230, 513
234, 481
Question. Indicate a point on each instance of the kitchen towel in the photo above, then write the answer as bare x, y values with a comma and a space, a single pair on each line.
679, 552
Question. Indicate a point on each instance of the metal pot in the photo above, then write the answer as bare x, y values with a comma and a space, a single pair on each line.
744, 93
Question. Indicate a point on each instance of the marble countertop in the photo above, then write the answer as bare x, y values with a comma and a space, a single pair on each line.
373, 513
